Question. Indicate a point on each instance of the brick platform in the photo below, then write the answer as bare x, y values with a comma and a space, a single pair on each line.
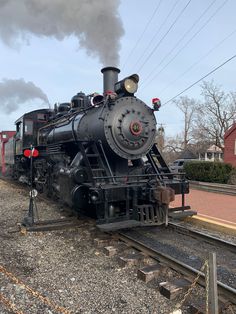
218, 207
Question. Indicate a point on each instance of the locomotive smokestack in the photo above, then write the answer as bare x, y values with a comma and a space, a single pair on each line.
110, 77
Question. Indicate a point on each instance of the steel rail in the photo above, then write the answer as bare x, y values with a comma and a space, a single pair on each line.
225, 292
205, 237
214, 187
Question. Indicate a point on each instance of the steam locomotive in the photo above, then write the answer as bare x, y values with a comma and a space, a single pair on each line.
98, 155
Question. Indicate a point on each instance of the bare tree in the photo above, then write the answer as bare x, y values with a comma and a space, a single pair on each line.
188, 106
174, 144
172, 148
206, 122
215, 114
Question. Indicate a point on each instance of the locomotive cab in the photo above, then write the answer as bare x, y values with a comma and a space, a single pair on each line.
27, 128
26, 135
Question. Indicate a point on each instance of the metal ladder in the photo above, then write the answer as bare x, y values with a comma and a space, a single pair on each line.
96, 161
161, 170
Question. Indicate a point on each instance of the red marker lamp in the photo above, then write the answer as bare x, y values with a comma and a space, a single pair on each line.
31, 153
156, 102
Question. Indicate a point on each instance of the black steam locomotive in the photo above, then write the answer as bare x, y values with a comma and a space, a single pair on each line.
98, 155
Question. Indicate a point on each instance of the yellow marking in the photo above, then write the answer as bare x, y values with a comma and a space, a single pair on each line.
215, 218
212, 225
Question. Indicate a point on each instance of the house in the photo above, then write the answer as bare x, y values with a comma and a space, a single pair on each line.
213, 153
4, 137
230, 145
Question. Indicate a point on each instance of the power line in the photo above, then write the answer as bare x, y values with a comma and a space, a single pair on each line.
141, 36
199, 60
156, 33
181, 39
164, 36
186, 44
202, 78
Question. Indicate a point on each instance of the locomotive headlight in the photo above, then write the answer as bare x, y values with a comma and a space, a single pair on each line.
129, 85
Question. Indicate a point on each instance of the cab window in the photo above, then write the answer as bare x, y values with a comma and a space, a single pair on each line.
19, 130
28, 127
41, 117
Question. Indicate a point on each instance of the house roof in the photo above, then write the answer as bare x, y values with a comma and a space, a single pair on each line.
214, 149
187, 154
230, 130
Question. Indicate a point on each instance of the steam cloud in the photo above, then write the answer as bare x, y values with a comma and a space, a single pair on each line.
15, 92
95, 23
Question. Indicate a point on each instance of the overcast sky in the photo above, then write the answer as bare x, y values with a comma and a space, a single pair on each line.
58, 51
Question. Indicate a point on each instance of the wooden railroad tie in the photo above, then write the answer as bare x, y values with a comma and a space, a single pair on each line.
174, 288
150, 272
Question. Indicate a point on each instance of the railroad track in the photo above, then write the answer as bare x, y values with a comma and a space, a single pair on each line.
204, 237
214, 187
225, 291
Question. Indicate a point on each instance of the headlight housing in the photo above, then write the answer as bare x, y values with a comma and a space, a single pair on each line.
128, 86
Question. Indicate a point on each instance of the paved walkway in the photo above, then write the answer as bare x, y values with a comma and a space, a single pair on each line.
214, 206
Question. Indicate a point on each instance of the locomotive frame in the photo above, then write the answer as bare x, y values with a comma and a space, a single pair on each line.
91, 156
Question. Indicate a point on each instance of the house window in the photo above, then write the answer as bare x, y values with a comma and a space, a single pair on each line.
235, 147
4, 136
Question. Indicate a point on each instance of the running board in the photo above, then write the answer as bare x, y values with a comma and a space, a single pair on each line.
182, 214
176, 209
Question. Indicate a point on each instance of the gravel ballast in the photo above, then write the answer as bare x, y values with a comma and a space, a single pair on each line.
66, 267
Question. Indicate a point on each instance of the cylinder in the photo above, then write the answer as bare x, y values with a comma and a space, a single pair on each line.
110, 77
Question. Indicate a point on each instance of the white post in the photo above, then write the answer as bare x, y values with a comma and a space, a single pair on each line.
213, 293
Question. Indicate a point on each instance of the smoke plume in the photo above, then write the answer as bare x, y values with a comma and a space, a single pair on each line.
15, 92
95, 23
